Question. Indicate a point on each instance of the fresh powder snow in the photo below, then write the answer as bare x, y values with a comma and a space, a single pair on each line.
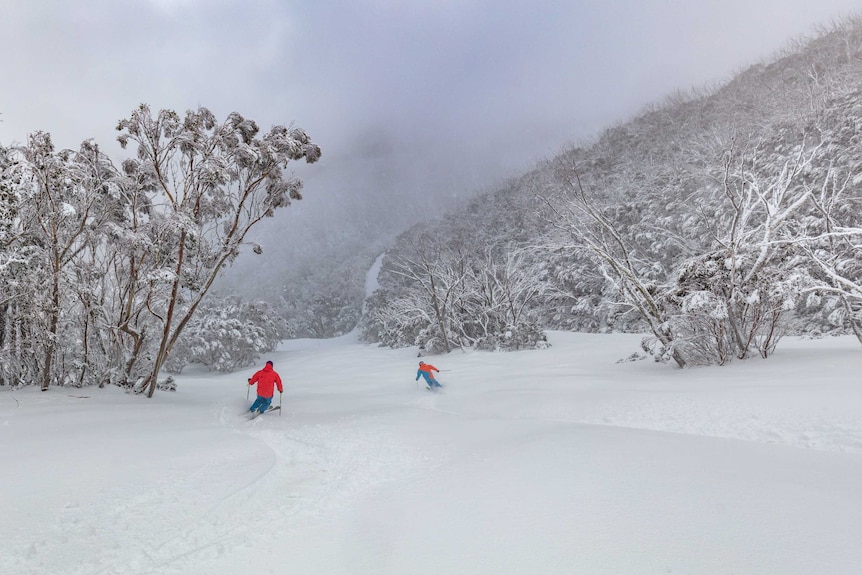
561, 460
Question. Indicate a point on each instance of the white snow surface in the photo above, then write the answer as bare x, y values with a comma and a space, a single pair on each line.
556, 461
371, 281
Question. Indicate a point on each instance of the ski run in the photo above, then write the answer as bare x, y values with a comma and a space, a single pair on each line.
555, 461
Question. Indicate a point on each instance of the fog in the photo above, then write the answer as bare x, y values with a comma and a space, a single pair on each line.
417, 105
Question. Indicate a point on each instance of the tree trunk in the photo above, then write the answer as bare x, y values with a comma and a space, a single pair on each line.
440, 319
150, 386
53, 321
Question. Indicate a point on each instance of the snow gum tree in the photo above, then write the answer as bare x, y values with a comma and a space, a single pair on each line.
734, 296
834, 249
438, 297
211, 183
581, 217
436, 274
830, 235
15, 276
59, 214
493, 309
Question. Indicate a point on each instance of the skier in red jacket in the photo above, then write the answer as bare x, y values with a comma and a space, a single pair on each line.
266, 379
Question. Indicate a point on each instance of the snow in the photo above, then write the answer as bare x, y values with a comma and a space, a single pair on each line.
371, 282
554, 461
68, 210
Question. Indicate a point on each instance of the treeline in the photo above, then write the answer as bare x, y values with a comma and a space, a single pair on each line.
103, 267
718, 221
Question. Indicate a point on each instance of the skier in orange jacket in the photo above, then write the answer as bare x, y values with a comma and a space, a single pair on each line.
425, 370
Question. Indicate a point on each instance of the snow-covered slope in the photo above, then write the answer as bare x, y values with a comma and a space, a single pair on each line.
552, 461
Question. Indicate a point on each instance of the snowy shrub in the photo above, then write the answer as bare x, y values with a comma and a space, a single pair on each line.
527, 335
391, 321
227, 334
429, 342
632, 357
168, 384
724, 314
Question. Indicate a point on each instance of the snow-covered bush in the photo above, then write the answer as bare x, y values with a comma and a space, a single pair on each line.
527, 335
168, 384
227, 334
430, 342
441, 296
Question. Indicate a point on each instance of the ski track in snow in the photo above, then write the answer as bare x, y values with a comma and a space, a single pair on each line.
312, 471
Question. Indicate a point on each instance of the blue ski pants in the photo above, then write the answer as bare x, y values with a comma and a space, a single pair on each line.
260, 404
430, 381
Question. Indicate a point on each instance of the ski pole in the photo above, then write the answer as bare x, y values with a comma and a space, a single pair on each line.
279, 404
247, 389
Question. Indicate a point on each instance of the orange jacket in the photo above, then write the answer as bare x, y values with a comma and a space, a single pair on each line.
427, 367
425, 370
266, 379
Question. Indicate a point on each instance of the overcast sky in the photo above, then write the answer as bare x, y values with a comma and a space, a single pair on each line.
423, 99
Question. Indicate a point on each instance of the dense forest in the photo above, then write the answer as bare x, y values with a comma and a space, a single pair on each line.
717, 222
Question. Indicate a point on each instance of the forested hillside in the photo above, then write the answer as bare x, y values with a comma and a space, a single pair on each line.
717, 221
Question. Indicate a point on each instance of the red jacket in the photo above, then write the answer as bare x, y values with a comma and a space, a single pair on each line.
266, 379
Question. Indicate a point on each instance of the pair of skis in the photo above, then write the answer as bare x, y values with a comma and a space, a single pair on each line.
255, 414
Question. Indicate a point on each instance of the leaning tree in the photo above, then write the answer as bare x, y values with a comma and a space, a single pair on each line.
211, 183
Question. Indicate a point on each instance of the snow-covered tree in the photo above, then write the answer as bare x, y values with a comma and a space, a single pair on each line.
102, 267
437, 274
584, 219
736, 295
830, 237
494, 309
58, 217
212, 182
